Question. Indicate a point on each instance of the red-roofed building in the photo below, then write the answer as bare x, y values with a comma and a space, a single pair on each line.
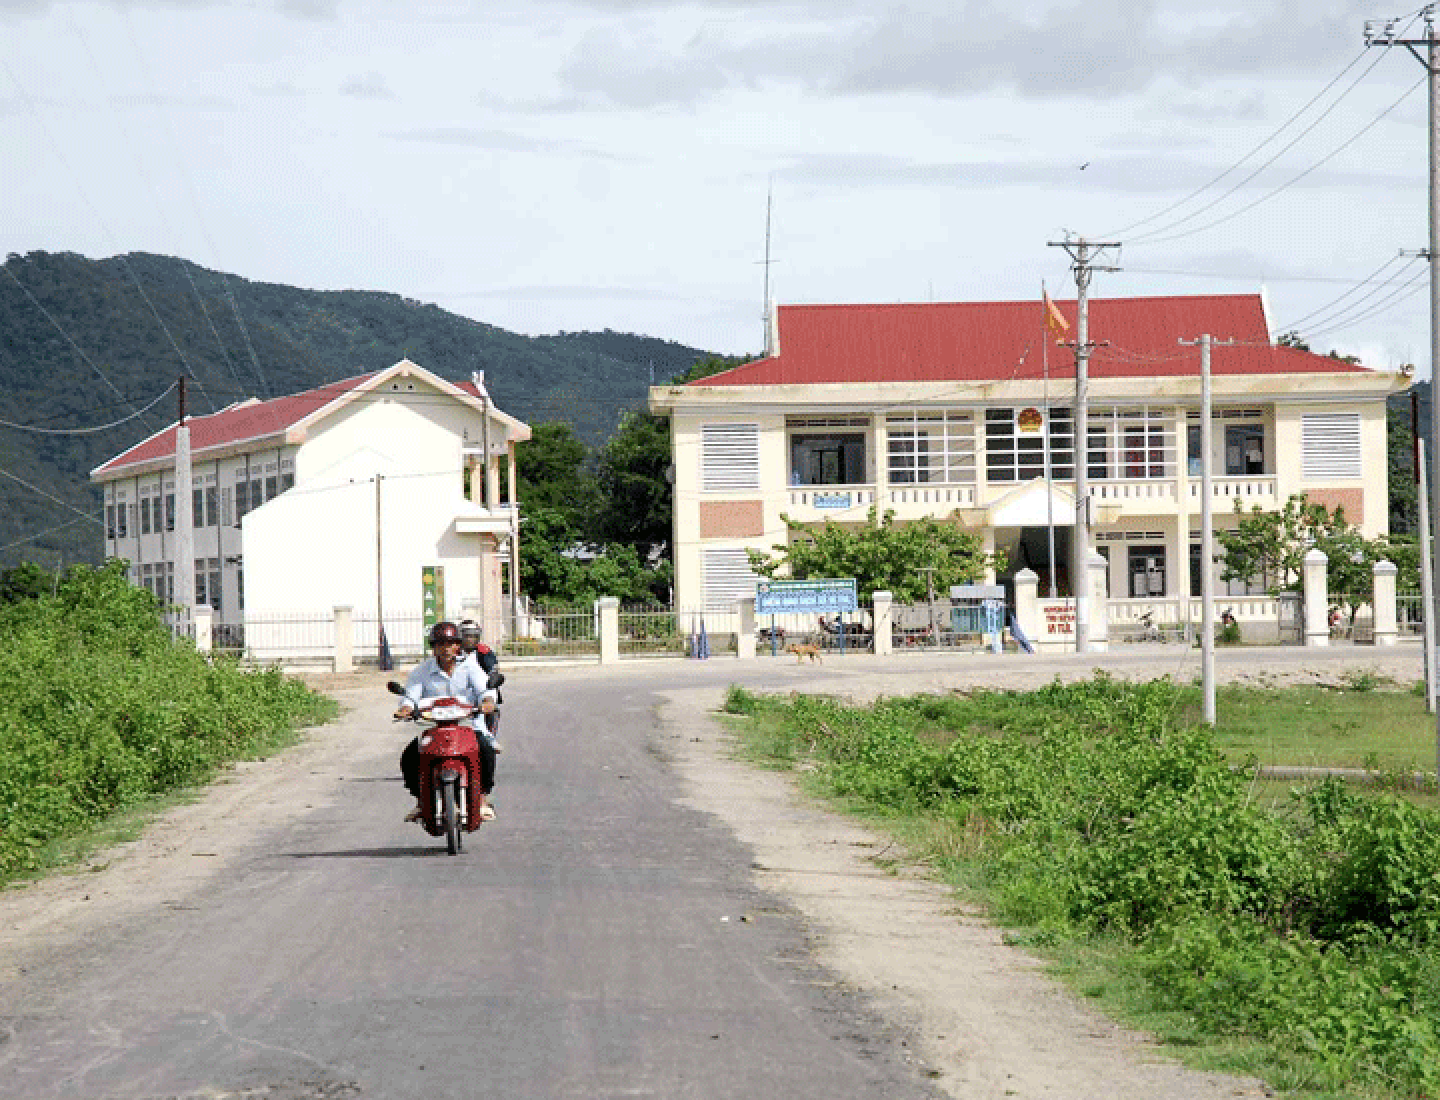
337, 496
951, 410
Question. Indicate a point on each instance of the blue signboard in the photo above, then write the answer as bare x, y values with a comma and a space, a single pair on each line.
779, 597
831, 500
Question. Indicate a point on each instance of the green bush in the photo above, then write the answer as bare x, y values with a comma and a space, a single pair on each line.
1088, 811
105, 708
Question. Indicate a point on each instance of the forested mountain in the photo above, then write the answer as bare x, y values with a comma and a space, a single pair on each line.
89, 342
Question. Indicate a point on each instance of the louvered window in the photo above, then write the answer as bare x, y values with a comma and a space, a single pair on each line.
729, 457
1330, 446
727, 578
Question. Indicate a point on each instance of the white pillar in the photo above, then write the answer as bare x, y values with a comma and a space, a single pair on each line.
344, 638
1317, 599
1027, 604
745, 635
203, 618
883, 616
1382, 601
1098, 568
609, 630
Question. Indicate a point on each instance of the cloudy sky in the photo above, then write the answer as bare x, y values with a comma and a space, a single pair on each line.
546, 165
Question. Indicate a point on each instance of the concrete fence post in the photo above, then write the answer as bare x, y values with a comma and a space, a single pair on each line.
344, 638
202, 617
1382, 601
609, 629
883, 616
1317, 599
1099, 570
1027, 604
745, 631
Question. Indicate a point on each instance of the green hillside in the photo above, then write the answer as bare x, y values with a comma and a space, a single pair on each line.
88, 342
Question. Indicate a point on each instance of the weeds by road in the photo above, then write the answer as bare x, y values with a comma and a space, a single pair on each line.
1105, 826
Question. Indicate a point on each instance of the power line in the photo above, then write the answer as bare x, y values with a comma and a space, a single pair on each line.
51, 496
1295, 324
88, 431
1153, 239
1265, 141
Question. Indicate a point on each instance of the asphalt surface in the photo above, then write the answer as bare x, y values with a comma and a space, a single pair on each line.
598, 940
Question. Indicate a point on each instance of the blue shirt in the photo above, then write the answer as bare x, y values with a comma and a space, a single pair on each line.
428, 682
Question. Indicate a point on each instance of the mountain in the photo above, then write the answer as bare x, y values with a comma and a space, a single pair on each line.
86, 343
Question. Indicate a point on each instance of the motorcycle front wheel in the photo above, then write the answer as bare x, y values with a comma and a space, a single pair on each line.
453, 842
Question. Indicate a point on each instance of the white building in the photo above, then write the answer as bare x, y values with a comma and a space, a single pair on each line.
951, 410
339, 496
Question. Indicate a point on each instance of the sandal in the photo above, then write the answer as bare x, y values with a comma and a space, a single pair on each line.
415, 815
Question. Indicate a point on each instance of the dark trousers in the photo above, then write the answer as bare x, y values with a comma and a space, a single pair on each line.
410, 766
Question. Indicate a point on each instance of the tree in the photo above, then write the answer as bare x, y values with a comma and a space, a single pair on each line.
554, 473
1271, 546
634, 477
884, 557
1404, 490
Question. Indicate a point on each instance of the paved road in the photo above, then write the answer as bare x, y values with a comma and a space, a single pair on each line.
601, 939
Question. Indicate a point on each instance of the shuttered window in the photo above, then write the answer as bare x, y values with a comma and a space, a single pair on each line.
729, 457
1330, 446
727, 578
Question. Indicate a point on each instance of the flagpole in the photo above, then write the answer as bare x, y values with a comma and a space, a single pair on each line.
1049, 484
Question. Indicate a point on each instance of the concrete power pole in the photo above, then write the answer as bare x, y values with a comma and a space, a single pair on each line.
1082, 252
1424, 49
184, 519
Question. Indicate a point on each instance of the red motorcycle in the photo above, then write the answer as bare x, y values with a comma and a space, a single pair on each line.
450, 796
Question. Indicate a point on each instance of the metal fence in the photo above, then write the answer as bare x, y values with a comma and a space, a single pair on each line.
1410, 613
851, 633
653, 630
552, 631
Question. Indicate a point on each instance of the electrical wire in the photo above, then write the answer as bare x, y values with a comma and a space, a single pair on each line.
87, 431
50, 496
1295, 325
48, 531
1150, 239
1416, 283
1117, 233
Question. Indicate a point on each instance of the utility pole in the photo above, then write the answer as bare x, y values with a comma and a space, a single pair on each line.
1082, 252
1207, 531
184, 518
1424, 50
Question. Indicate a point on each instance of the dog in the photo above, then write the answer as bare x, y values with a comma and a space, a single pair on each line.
803, 651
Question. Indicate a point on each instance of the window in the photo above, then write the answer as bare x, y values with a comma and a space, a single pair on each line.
144, 515
122, 520
207, 582
930, 446
109, 521
832, 458
1330, 446
169, 512
727, 578
1130, 443
729, 457
1244, 450
1015, 443
242, 500
1147, 570
272, 487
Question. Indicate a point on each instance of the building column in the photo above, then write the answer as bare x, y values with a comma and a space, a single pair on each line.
1099, 578
1027, 604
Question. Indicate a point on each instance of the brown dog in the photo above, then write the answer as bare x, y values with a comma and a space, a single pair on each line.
803, 651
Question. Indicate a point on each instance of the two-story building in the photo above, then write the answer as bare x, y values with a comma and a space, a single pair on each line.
965, 412
345, 494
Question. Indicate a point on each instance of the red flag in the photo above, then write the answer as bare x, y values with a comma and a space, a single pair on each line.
1053, 319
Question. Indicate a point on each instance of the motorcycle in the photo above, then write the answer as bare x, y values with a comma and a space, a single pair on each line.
451, 799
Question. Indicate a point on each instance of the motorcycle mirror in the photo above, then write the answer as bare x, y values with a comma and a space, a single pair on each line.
496, 679
396, 687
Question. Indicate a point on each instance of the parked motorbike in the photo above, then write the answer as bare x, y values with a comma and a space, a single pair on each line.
450, 796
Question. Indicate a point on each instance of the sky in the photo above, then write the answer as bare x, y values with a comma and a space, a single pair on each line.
554, 166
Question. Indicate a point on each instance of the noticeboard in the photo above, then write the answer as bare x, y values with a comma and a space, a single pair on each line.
432, 594
780, 597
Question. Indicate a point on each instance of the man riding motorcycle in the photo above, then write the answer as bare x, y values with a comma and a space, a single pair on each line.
444, 674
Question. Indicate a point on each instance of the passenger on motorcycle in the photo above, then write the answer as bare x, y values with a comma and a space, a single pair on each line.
478, 653
440, 675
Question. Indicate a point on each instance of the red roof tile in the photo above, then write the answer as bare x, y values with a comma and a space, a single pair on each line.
996, 341
253, 420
